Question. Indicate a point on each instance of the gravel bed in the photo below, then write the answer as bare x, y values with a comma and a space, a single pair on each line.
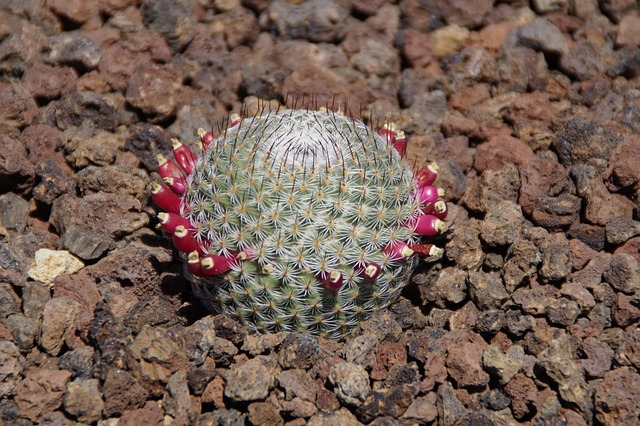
530, 108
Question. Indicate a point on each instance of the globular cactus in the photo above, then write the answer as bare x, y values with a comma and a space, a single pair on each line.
299, 220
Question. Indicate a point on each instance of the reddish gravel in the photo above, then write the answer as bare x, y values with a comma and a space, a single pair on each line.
530, 108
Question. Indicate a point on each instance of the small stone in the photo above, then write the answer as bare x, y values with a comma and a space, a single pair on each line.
361, 350
323, 21
41, 392
617, 9
500, 151
487, 291
449, 287
299, 351
13, 213
79, 361
174, 20
623, 273
523, 394
176, 399
422, 409
17, 107
17, 173
490, 321
556, 258
299, 408
464, 360
592, 235
450, 409
229, 329
252, 380
298, 384
387, 403
541, 34
83, 400
51, 263
384, 325
257, 344
150, 415
521, 264
498, 364
601, 206
88, 213
58, 321
154, 90
628, 31
617, 397
620, 229
46, 82
53, 182
562, 311
464, 247
214, 392
545, 6
599, 356
518, 324
581, 141
76, 108
495, 400
122, 392
74, 50
558, 362
9, 301
502, 224
11, 366
335, 417
159, 356
264, 413
351, 383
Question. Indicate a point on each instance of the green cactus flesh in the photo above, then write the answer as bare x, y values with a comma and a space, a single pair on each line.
307, 193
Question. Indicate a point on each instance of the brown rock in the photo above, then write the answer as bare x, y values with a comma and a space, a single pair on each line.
153, 89
468, 96
59, 324
87, 110
264, 413
82, 289
625, 310
617, 9
17, 107
214, 392
631, 247
556, 258
298, 384
540, 177
601, 206
418, 49
11, 366
41, 392
46, 82
122, 59
17, 173
617, 398
83, 400
464, 359
582, 141
599, 356
78, 12
149, 415
502, 224
464, 248
114, 215
316, 22
523, 394
628, 31
624, 171
499, 151
252, 380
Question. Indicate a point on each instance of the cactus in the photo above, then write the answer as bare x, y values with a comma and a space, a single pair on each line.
299, 220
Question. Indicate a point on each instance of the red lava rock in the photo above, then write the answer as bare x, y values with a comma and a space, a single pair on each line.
617, 397
122, 392
617, 9
599, 356
601, 206
17, 173
499, 151
631, 247
174, 20
46, 82
149, 415
122, 59
418, 49
464, 359
82, 289
468, 96
17, 107
386, 357
625, 310
78, 12
628, 31
316, 22
624, 169
523, 394
153, 89
580, 141
41, 392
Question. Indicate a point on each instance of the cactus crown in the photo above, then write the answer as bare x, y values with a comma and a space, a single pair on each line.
296, 220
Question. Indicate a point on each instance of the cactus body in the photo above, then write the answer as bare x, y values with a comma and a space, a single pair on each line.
303, 220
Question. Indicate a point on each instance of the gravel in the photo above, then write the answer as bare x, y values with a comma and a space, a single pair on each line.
531, 110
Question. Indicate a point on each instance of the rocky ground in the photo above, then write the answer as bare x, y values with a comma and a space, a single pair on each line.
532, 110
